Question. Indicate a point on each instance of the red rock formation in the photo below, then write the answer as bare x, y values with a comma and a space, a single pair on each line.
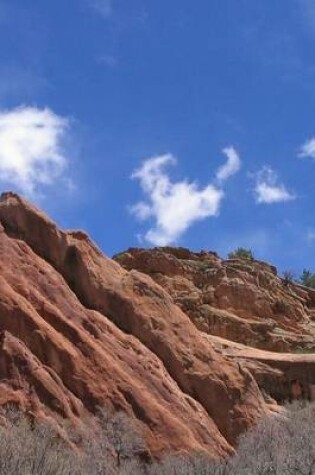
241, 300
78, 331
278, 374
240, 305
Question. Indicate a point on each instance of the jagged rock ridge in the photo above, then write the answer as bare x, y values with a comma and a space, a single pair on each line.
246, 311
238, 299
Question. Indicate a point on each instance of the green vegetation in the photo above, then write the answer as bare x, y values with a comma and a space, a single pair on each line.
304, 351
241, 253
288, 277
307, 278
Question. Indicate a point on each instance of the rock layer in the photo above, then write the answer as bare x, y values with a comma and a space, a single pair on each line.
243, 308
237, 299
78, 331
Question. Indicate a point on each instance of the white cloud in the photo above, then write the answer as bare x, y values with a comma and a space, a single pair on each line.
104, 7
20, 81
30, 147
310, 236
268, 189
108, 60
232, 165
308, 11
308, 149
173, 206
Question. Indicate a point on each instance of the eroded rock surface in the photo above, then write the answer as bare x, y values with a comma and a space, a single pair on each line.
79, 331
240, 300
245, 310
283, 377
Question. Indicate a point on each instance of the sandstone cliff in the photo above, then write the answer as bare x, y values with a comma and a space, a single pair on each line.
249, 313
180, 341
238, 299
79, 331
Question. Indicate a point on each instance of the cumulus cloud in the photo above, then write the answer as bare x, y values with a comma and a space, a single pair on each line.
269, 190
308, 149
103, 7
175, 206
30, 148
232, 165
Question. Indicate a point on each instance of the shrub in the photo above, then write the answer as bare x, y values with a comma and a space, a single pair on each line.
241, 253
33, 448
109, 446
288, 277
186, 465
307, 278
278, 445
113, 445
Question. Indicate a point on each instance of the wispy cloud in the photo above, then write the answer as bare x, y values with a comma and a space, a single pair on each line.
103, 7
17, 81
269, 190
310, 236
308, 12
232, 165
308, 149
108, 60
31, 148
174, 207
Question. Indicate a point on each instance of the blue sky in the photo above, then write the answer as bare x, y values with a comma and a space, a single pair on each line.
145, 122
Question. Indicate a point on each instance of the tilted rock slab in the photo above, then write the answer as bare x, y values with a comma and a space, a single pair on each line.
78, 331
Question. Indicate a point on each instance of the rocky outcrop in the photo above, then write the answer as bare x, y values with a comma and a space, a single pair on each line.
237, 299
79, 331
243, 308
283, 377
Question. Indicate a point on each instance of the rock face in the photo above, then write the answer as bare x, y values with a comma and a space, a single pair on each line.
79, 331
245, 310
277, 374
240, 300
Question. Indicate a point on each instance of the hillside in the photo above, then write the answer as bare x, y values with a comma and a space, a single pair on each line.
238, 299
245, 309
179, 341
